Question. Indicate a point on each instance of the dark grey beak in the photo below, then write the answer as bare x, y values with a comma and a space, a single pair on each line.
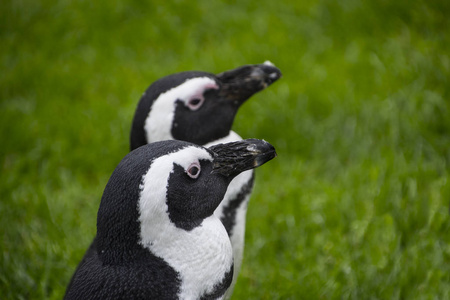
231, 159
241, 83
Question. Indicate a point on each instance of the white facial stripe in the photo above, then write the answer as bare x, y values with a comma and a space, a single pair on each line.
193, 254
159, 121
152, 200
194, 88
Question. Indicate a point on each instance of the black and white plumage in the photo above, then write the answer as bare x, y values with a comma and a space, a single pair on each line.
200, 107
197, 107
157, 236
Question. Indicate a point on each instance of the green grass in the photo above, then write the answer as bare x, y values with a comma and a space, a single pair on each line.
356, 206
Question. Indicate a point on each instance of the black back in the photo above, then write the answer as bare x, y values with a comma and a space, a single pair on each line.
146, 277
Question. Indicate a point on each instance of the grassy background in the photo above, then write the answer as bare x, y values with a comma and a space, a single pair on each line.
356, 205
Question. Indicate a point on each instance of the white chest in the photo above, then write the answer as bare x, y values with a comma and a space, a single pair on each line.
201, 256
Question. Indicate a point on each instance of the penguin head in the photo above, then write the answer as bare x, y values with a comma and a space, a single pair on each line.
197, 107
168, 184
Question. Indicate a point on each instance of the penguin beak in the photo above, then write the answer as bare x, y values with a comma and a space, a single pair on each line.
231, 159
240, 84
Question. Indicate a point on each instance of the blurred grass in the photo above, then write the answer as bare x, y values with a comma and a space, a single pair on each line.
356, 205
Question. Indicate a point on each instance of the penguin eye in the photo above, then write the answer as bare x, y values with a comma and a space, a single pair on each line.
194, 170
195, 103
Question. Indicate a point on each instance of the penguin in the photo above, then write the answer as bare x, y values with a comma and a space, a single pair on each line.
157, 235
195, 106
200, 107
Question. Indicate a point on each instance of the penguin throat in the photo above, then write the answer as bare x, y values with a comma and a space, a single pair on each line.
230, 137
202, 257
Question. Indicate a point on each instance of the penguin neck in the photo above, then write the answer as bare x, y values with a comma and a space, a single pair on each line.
201, 256
155, 133
233, 209
231, 137
157, 126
